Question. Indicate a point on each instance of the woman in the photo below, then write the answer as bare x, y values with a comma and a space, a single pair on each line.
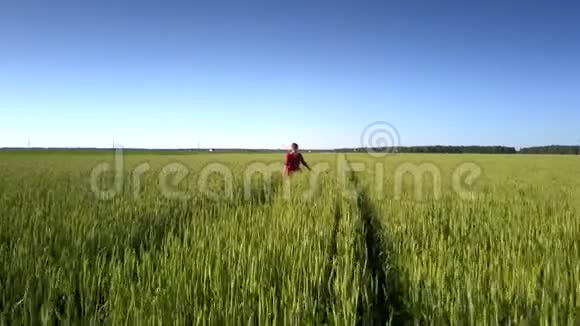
293, 160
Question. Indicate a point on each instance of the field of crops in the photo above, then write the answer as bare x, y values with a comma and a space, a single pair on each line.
222, 238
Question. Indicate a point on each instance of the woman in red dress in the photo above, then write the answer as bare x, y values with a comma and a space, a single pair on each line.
293, 160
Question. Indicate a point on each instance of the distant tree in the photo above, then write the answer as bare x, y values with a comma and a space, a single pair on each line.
552, 149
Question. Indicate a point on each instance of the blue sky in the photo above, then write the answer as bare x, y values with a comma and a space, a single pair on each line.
172, 74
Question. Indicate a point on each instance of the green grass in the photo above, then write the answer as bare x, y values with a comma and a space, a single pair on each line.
507, 253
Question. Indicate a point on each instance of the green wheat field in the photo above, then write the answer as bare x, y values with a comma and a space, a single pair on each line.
364, 247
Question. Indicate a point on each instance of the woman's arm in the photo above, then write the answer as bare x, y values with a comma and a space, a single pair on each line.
304, 162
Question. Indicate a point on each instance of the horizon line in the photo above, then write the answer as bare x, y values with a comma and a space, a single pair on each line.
255, 149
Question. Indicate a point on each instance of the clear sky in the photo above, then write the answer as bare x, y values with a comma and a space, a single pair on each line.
171, 74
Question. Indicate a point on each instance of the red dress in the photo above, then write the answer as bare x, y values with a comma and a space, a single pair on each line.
293, 161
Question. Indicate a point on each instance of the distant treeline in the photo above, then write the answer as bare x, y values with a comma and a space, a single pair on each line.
554, 149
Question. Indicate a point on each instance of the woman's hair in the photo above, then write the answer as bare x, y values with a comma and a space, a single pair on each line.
294, 145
